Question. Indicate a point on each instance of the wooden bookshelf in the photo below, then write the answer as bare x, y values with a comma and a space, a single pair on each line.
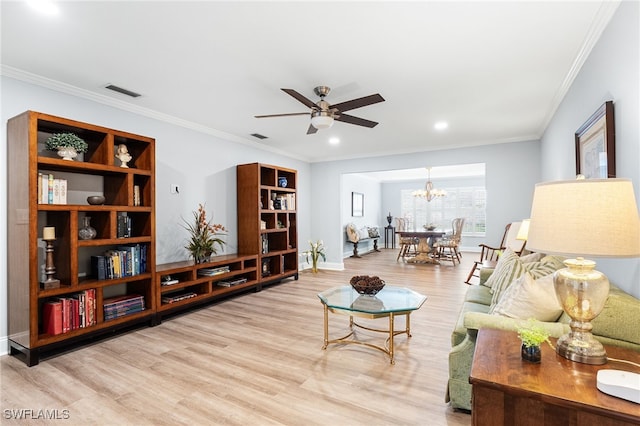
96, 172
267, 219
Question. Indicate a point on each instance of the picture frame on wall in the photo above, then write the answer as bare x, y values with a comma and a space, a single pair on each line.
595, 145
357, 204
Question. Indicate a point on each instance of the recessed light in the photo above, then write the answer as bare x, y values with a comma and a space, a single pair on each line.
441, 125
44, 6
334, 141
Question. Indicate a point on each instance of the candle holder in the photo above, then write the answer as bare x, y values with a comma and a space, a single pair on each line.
50, 267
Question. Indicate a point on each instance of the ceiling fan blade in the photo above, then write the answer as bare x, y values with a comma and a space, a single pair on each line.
281, 115
311, 130
346, 118
358, 103
299, 97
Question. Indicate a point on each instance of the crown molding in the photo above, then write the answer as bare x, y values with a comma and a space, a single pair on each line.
59, 86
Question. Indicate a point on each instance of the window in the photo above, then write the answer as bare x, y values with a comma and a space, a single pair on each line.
468, 202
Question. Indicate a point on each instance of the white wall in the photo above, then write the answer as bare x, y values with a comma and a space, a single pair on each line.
202, 165
372, 213
512, 169
612, 72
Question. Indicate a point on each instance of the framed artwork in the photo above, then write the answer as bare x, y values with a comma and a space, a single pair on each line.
357, 204
595, 145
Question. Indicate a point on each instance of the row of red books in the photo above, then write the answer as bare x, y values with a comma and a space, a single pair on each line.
64, 314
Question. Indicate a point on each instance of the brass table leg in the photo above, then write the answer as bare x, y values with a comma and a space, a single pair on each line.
408, 324
326, 326
391, 333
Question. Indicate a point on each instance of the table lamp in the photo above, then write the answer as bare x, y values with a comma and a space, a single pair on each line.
593, 217
523, 231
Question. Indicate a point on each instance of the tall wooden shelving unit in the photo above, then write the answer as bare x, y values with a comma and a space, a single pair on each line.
267, 219
98, 172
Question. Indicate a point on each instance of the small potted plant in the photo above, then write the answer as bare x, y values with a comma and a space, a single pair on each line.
203, 236
68, 145
532, 334
315, 251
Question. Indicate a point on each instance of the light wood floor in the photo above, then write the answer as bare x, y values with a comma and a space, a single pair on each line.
257, 359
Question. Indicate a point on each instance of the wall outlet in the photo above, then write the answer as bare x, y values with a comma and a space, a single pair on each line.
174, 189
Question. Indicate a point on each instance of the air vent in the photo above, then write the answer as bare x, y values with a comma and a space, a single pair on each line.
259, 136
123, 91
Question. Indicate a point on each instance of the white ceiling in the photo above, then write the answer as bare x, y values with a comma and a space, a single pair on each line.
496, 71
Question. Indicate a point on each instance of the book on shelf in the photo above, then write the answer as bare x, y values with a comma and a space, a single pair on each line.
52, 317
51, 190
124, 300
56, 191
68, 313
123, 261
136, 195
177, 297
119, 306
209, 272
123, 226
99, 267
231, 283
63, 191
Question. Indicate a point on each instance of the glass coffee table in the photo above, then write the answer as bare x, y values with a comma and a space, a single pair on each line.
388, 303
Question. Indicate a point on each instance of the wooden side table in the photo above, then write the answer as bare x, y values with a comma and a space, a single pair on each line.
510, 391
390, 236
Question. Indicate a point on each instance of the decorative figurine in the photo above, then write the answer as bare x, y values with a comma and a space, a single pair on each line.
123, 155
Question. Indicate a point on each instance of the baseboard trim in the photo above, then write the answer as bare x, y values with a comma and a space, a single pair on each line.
4, 346
330, 266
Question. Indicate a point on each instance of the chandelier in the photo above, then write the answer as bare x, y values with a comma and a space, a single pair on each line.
429, 192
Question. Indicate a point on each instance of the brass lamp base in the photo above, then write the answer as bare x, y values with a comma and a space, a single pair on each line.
584, 349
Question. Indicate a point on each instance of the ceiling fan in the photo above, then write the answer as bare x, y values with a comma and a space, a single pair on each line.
323, 114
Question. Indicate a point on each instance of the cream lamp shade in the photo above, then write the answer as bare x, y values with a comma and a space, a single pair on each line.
591, 217
523, 231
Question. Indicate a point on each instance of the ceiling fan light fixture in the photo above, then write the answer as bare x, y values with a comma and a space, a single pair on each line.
322, 121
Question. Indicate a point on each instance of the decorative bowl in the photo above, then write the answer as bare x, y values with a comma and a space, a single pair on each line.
364, 284
95, 200
429, 227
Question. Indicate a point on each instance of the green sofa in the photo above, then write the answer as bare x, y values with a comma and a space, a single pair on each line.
617, 325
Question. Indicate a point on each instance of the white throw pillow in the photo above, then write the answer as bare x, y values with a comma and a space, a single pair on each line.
532, 257
528, 298
507, 269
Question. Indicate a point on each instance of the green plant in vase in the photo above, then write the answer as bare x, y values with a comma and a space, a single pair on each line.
532, 334
68, 145
316, 251
204, 236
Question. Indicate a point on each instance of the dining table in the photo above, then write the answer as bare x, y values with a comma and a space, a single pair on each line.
425, 251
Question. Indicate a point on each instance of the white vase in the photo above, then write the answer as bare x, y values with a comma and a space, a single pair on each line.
67, 153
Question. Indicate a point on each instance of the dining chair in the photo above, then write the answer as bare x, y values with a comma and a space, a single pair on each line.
446, 248
408, 246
